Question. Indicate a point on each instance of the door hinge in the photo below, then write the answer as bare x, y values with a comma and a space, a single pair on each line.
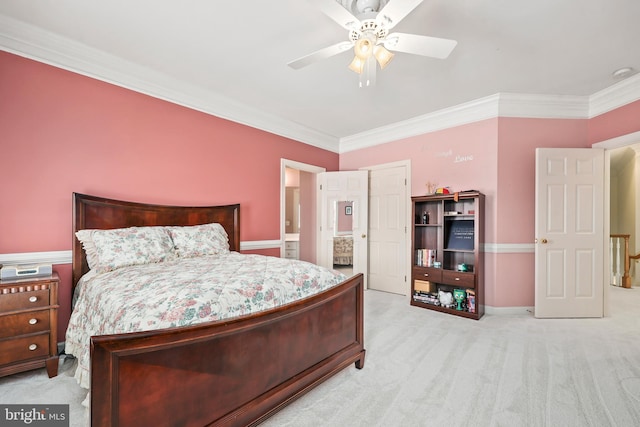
321, 186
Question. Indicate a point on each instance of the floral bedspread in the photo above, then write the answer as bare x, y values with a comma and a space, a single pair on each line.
185, 292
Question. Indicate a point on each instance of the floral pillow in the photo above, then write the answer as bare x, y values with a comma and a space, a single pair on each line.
110, 249
199, 240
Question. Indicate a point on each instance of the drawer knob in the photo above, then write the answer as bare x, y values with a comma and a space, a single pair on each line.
33, 321
33, 347
426, 275
457, 278
33, 299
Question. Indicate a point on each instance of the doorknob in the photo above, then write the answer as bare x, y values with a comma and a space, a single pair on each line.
544, 241
364, 235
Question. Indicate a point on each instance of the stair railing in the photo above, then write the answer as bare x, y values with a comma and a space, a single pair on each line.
620, 277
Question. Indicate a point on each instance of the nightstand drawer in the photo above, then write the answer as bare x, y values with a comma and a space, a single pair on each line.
291, 245
24, 323
291, 254
24, 348
24, 300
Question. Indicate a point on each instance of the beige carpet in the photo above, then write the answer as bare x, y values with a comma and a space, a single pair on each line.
425, 368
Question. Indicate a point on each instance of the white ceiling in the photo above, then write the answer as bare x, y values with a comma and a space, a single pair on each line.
230, 57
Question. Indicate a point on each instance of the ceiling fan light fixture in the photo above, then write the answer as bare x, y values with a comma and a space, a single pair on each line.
363, 48
383, 56
357, 65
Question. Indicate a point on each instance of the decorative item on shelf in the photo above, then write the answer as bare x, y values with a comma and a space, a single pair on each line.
445, 298
437, 264
463, 267
459, 295
425, 217
471, 301
431, 187
443, 190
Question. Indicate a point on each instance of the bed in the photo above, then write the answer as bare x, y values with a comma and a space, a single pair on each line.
235, 371
343, 250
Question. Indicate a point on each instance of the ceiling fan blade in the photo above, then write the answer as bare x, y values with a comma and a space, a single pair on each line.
320, 55
395, 11
335, 11
419, 45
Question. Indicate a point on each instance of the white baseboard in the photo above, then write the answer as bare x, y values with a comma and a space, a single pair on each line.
508, 311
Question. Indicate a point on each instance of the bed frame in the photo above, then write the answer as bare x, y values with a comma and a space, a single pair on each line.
235, 372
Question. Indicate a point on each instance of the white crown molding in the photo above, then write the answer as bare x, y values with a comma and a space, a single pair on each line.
497, 105
543, 106
621, 93
469, 112
34, 43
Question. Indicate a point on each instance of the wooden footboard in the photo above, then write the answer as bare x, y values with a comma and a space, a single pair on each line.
235, 372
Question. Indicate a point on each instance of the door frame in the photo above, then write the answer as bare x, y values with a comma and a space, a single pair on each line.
610, 144
408, 256
286, 163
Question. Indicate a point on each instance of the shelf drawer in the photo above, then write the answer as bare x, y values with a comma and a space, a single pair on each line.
24, 300
24, 323
427, 273
458, 278
24, 348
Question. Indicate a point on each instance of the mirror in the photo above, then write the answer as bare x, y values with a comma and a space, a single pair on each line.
343, 218
292, 210
344, 211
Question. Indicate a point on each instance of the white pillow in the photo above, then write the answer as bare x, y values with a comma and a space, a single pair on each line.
110, 249
199, 240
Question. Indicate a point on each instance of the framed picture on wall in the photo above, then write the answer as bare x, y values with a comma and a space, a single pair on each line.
347, 210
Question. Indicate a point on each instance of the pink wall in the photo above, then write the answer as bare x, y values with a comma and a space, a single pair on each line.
62, 132
621, 121
510, 280
496, 157
462, 158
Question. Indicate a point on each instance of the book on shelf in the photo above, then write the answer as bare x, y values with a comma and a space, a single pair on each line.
425, 257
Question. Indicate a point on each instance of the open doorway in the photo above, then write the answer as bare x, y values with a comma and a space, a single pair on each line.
298, 209
612, 170
624, 208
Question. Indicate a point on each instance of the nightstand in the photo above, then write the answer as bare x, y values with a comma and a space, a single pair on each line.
28, 325
291, 249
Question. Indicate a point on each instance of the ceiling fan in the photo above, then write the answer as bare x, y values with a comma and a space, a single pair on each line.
369, 22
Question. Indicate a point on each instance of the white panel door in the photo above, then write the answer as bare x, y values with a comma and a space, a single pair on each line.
335, 187
388, 230
569, 228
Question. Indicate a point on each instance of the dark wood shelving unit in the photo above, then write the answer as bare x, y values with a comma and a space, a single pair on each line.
447, 245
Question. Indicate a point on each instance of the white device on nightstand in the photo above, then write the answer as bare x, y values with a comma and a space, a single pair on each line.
12, 272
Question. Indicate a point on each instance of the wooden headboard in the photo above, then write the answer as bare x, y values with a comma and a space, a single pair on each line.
91, 212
